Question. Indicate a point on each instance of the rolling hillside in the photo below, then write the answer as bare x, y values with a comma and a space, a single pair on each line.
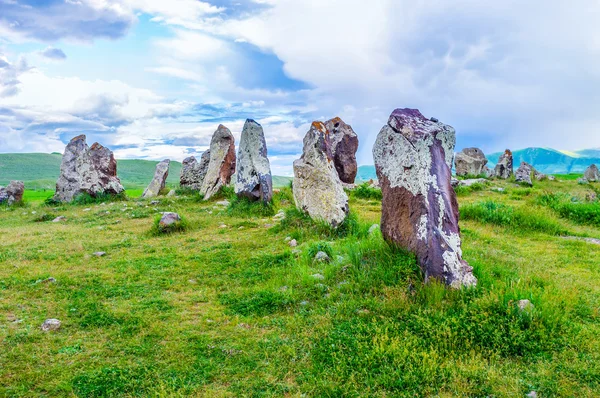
551, 161
40, 171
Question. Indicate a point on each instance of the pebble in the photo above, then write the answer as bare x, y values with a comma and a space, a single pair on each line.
59, 219
293, 243
99, 254
51, 325
322, 256
318, 276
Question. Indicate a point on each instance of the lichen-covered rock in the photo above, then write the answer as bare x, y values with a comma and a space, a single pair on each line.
253, 175
168, 218
158, 182
12, 193
317, 187
592, 174
470, 161
221, 165
344, 144
413, 160
193, 172
504, 167
91, 170
523, 174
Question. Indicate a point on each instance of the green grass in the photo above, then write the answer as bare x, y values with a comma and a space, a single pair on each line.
227, 312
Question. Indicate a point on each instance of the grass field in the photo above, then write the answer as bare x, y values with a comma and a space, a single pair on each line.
226, 308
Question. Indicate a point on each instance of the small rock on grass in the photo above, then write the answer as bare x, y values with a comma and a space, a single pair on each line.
51, 325
318, 276
222, 226
60, 219
223, 203
322, 257
532, 394
525, 305
99, 254
293, 243
373, 229
169, 218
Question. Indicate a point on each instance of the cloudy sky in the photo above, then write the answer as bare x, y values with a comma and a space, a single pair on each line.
153, 78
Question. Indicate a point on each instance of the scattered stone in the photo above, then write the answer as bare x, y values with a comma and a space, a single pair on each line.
268, 225
49, 280
373, 229
471, 182
532, 394
99, 254
224, 203
168, 218
279, 216
523, 174
454, 182
154, 202
318, 276
344, 144
525, 305
582, 181
304, 303
498, 189
253, 175
504, 167
12, 193
470, 161
551, 178
193, 172
322, 257
172, 193
283, 288
221, 165
158, 182
60, 219
288, 238
374, 184
539, 176
413, 159
293, 243
91, 170
317, 188
51, 325
592, 174
222, 226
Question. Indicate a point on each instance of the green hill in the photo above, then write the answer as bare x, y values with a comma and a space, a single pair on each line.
40, 171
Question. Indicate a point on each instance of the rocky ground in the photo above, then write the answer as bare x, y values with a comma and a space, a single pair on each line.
244, 301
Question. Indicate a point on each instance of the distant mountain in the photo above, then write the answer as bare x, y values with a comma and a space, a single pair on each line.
551, 161
41, 170
366, 173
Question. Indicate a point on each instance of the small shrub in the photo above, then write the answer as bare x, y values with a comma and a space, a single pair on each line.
258, 303
316, 247
244, 207
299, 225
580, 213
158, 229
44, 217
519, 219
365, 191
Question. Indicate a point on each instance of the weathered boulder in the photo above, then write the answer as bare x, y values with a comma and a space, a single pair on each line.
193, 172
488, 173
158, 182
253, 175
91, 170
523, 174
504, 167
317, 187
221, 165
413, 160
470, 161
168, 218
470, 182
539, 175
592, 174
344, 144
12, 193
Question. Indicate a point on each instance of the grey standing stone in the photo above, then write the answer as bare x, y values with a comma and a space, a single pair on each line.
158, 182
413, 159
504, 167
344, 144
91, 170
12, 193
523, 174
471, 161
221, 165
193, 172
253, 176
592, 174
317, 187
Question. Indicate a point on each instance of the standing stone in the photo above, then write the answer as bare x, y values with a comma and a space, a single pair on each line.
193, 172
221, 165
91, 170
13, 193
523, 174
540, 176
413, 160
504, 167
471, 161
253, 176
317, 187
160, 179
344, 144
592, 174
